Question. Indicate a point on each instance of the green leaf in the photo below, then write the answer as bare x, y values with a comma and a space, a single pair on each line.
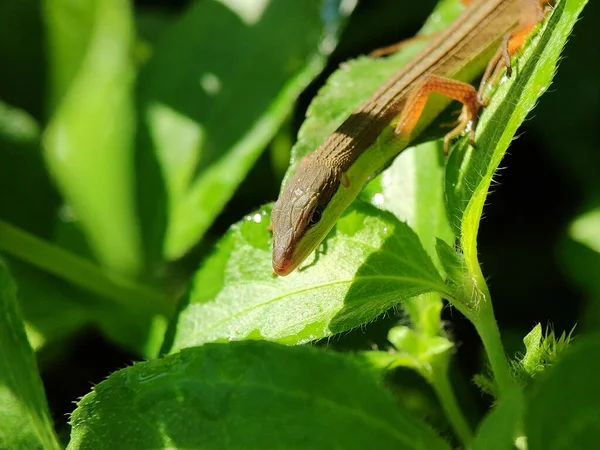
210, 397
470, 171
499, 428
220, 83
24, 417
533, 341
89, 140
412, 188
369, 264
542, 349
563, 410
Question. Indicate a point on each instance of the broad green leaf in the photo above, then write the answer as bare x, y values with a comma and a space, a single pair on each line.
499, 428
563, 410
470, 171
247, 395
25, 421
369, 264
90, 137
218, 86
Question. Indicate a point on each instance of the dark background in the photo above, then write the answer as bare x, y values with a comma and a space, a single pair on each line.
549, 177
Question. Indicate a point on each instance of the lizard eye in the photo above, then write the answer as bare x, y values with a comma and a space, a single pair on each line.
315, 217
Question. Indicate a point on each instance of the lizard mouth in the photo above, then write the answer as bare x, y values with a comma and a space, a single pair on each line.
283, 263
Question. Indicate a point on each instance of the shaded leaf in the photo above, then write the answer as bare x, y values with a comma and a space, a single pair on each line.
563, 409
499, 428
209, 397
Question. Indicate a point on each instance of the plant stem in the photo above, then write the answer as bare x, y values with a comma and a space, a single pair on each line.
441, 384
482, 317
80, 271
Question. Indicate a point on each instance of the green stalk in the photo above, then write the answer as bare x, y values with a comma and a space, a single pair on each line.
441, 385
81, 272
480, 312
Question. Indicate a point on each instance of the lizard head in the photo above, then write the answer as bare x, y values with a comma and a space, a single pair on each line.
299, 217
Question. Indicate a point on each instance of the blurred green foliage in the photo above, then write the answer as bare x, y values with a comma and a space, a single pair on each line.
134, 134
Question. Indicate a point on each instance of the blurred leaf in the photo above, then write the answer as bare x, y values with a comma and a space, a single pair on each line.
470, 171
150, 25
89, 141
580, 258
53, 310
69, 29
24, 417
499, 428
422, 352
370, 263
586, 230
563, 410
29, 204
305, 398
218, 86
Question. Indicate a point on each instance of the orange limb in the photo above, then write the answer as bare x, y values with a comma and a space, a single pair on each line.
456, 90
532, 12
